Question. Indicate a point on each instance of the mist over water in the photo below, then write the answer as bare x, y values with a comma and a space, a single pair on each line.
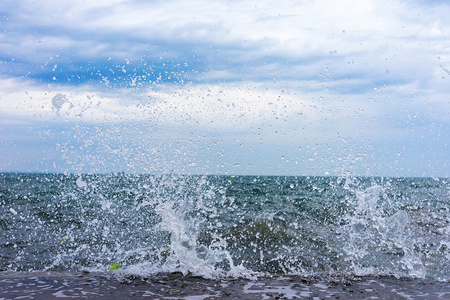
216, 226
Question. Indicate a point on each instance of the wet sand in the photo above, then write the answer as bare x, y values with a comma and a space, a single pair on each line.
65, 285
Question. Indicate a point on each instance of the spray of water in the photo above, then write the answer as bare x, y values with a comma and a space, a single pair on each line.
215, 226
376, 228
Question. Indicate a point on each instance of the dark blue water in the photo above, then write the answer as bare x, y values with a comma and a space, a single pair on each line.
225, 225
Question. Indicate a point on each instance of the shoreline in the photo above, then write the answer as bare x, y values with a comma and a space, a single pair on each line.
84, 285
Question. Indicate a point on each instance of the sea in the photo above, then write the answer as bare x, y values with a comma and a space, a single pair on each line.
225, 226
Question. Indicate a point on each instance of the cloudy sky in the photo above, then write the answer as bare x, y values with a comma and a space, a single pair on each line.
226, 87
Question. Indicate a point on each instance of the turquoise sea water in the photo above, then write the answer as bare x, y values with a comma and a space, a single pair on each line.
216, 226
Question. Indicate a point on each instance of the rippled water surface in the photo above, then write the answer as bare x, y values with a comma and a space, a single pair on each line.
225, 225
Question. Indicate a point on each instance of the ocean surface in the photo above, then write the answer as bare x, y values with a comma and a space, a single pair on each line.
225, 226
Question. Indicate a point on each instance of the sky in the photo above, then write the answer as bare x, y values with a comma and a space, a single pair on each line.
321, 88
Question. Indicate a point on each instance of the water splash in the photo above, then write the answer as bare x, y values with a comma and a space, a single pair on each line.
216, 226
59, 101
376, 228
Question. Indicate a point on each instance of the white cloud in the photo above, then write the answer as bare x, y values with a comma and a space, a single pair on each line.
221, 109
298, 29
316, 72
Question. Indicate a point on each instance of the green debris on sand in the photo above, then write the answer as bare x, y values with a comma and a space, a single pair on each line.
114, 267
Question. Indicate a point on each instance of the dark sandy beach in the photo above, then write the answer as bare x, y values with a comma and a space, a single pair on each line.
62, 285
